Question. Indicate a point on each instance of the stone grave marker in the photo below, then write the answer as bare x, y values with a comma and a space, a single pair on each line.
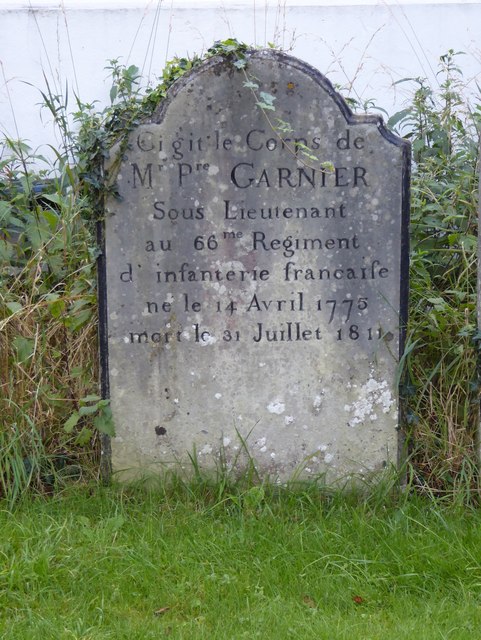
255, 274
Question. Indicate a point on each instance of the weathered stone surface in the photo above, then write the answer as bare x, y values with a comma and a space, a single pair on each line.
249, 293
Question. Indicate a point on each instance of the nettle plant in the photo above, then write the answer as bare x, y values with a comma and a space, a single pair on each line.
52, 414
442, 379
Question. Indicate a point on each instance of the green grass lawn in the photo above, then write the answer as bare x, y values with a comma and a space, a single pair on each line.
111, 563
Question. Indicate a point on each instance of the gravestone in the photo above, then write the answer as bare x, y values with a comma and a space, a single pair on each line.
255, 277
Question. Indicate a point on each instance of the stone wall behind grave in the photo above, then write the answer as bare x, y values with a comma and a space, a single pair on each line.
250, 293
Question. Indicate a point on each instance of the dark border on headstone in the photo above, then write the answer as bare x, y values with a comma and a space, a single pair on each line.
404, 292
106, 449
478, 430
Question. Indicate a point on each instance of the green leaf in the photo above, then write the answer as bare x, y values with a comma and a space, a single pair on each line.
14, 307
398, 117
309, 156
327, 166
84, 437
268, 98
69, 425
264, 105
57, 308
17, 222
90, 398
283, 126
38, 234
53, 197
51, 217
104, 422
6, 251
88, 410
83, 521
114, 524
132, 71
5, 213
438, 303
75, 322
24, 347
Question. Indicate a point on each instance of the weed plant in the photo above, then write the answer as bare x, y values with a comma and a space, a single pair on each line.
50, 413
441, 382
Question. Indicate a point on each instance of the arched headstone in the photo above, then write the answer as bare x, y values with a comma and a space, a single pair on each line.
256, 275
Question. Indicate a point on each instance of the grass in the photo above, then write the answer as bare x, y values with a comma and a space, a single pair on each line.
116, 563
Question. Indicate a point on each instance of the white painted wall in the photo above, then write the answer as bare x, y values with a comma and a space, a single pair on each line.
365, 45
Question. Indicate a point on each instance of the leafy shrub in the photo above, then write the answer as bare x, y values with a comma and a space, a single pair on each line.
441, 382
47, 313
